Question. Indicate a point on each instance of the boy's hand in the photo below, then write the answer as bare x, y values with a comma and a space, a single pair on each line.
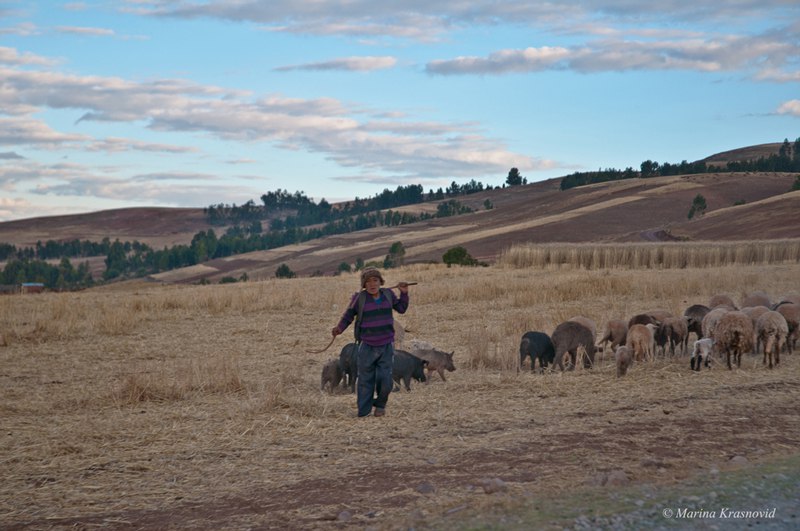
335, 332
403, 287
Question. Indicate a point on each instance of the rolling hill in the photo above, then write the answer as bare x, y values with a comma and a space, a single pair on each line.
741, 206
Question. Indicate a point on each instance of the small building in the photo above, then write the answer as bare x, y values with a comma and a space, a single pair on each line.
32, 287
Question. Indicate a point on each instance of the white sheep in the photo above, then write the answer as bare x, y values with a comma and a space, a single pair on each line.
772, 330
702, 353
711, 319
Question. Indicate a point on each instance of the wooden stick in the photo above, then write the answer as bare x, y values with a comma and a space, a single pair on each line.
407, 284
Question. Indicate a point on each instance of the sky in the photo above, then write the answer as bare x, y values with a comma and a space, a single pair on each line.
112, 104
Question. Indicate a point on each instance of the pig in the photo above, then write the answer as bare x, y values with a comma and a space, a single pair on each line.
406, 366
537, 345
438, 361
331, 375
348, 365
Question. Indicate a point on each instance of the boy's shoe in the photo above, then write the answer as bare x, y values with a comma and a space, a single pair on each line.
379, 412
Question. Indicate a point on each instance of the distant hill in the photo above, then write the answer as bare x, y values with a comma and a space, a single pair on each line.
743, 154
741, 206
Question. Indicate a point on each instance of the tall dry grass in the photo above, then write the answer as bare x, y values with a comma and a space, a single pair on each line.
671, 255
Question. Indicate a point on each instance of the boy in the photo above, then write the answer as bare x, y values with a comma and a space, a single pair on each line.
374, 330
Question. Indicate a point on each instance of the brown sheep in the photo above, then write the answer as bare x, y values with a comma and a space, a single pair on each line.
754, 312
771, 330
671, 332
616, 331
721, 300
659, 314
567, 338
711, 319
733, 335
756, 298
588, 323
640, 341
623, 359
791, 312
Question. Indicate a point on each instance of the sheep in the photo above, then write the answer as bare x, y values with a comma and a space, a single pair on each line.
642, 319
623, 359
733, 335
794, 298
694, 318
711, 319
640, 341
701, 353
588, 323
567, 338
754, 312
672, 331
721, 300
791, 312
616, 331
659, 314
756, 298
771, 330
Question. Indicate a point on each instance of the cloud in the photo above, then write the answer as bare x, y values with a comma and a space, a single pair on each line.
763, 56
10, 155
411, 19
10, 56
117, 145
791, 107
350, 64
26, 131
80, 30
23, 29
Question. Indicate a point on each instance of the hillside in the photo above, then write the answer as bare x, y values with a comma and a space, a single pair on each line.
741, 206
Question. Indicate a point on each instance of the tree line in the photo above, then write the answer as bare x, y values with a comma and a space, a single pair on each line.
786, 160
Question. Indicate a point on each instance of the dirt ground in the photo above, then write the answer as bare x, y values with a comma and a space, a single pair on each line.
175, 407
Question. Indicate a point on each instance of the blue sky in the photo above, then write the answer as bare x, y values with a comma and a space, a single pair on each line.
109, 104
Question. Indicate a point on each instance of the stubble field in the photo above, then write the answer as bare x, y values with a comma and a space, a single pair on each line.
150, 406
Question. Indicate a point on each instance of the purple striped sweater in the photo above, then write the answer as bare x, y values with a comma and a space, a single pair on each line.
377, 322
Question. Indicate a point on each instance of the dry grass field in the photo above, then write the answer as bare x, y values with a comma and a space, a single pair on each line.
148, 406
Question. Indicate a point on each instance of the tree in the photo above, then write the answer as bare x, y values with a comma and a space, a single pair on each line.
396, 255
514, 178
459, 256
284, 271
698, 206
796, 184
649, 168
488, 205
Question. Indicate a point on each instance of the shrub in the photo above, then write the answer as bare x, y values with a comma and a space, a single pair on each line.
459, 256
284, 271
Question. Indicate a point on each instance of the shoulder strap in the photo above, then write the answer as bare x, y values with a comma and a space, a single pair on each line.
360, 302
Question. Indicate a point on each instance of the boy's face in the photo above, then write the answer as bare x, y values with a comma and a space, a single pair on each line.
373, 285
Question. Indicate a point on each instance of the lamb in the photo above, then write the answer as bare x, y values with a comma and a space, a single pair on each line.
701, 354
733, 335
791, 312
756, 298
623, 359
672, 331
616, 332
711, 319
640, 341
694, 318
772, 330
721, 300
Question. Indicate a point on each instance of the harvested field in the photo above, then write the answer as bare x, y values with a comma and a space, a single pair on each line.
139, 405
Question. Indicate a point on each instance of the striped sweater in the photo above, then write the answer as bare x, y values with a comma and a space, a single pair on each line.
377, 322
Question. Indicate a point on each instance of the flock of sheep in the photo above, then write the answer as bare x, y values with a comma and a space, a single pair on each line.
721, 328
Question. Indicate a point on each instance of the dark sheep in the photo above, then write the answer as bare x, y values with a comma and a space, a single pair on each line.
567, 338
642, 319
538, 346
406, 366
671, 332
694, 318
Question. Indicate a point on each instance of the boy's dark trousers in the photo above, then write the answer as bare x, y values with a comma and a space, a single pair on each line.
374, 377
